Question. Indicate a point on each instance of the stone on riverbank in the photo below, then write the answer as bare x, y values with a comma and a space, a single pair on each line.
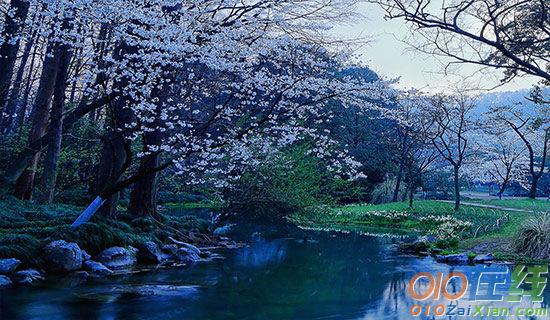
28, 277
97, 268
453, 258
170, 249
150, 252
482, 258
8, 266
223, 231
5, 281
187, 255
415, 247
85, 255
63, 256
118, 257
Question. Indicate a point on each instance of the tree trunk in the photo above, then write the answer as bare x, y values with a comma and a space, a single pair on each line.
25, 183
457, 187
398, 178
411, 194
534, 186
115, 158
21, 112
12, 104
116, 154
503, 187
46, 186
143, 199
8, 49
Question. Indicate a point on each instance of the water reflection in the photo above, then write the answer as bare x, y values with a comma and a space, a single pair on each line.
316, 275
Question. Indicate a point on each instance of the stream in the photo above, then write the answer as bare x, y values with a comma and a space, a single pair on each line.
283, 273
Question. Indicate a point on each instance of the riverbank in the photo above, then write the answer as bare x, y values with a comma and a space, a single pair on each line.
38, 239
477, 228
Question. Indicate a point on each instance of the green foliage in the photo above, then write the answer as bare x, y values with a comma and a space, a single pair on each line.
10, 145
291, 182
383, 192
77, 162
21, 246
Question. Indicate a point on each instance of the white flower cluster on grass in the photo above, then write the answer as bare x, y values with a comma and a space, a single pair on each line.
447, 226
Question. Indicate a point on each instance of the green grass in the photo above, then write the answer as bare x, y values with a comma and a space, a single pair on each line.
359, 215
525, 204
26, 227
193, 205
499, 241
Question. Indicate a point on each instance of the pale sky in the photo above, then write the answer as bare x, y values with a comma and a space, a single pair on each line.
390, 57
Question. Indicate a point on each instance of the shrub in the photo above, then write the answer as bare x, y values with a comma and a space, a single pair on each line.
534, 237
291, 181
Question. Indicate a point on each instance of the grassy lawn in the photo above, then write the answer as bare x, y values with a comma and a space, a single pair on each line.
425, 217
193, 205
539, 205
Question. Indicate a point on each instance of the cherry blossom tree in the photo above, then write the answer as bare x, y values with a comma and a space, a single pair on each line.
194, 80
452, 133
503, 159
532, 128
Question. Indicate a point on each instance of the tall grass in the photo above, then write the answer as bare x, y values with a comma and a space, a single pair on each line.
533, 239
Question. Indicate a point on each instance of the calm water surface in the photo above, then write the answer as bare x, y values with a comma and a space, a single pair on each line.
278, 276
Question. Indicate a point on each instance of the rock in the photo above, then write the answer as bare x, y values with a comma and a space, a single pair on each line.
5, 281
415, 247
8, 266
81, 275
187, 255
63, 256
118, 257
85, 255
97, 268
73, 279
186, 245
28, 277
191, 248
223, 231
150, 252
453, 258
483, 258
171, 249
